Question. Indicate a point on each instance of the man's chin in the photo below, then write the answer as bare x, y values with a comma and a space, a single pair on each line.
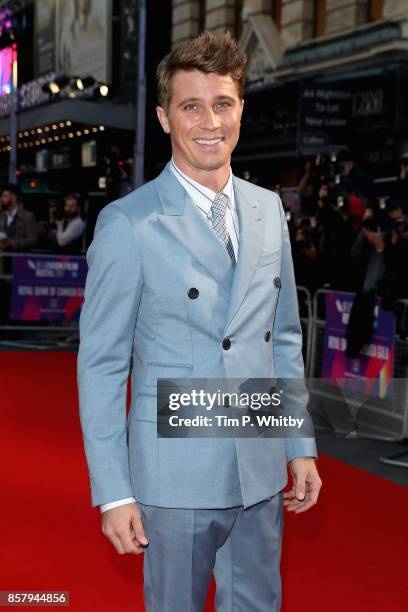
210, 163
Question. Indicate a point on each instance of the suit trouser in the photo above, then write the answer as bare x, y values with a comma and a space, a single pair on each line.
242, 547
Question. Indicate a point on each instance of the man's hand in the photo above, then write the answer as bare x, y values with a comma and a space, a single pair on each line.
123, 527
375, 238
306, 485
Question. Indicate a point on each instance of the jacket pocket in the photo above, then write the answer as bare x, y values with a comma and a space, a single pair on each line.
166, 370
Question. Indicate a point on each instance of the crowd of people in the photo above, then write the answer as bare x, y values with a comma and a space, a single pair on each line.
344, 235
21, 232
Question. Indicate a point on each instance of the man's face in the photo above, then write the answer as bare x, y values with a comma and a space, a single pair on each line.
71, 207
323, 192
7, 199
396, 215
203, 119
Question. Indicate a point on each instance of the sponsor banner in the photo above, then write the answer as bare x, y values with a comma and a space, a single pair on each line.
49, 288
371, 371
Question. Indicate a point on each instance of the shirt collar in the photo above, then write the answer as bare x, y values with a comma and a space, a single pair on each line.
13, 213
201, 195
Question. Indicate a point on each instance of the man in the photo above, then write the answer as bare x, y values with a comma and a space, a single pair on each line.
68, 228
17, 226
192, 276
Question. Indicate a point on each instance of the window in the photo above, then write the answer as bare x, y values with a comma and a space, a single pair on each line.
201, 16
277, 13
238, 18
375, 10
319, 18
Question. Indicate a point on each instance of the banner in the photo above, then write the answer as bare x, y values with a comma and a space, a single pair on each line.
372, 370
44, 39
48, 288
84, 33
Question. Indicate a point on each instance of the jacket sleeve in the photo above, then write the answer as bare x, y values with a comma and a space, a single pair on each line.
107, 323
30, 234
287, 346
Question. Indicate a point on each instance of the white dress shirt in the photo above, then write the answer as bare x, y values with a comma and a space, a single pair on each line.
203, 197
10, 216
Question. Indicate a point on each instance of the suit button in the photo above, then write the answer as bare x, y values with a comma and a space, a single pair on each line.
267, 336
226, 344
193, 293
277, 281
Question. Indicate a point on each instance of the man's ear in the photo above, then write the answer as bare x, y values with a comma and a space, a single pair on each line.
162, 117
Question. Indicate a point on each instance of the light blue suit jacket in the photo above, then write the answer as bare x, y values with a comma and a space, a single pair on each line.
149, 248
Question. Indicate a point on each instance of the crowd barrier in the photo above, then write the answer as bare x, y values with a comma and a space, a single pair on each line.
42, 334
383, 418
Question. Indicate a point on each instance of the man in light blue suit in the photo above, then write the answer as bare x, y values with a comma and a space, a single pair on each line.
191, 276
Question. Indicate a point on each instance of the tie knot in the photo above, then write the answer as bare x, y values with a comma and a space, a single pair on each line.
220, 204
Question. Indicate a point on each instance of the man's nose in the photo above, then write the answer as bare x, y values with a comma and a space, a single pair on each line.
210, 120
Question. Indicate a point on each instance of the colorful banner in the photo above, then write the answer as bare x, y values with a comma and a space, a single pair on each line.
372, 371
48, 288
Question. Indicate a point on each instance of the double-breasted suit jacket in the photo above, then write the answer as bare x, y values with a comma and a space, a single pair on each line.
161, 288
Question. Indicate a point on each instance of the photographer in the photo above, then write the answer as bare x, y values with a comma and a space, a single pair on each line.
66, 226
396, 251
306, 257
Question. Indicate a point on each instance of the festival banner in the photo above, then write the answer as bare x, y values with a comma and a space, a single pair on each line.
372, 370
49, 288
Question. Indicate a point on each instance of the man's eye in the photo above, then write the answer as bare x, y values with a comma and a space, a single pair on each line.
190, 107
224, 104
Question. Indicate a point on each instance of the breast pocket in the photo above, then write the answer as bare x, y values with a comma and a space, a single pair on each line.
269, 257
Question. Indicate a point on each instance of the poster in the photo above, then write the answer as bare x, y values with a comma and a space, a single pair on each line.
44, 39
84, 38
48, 287
373, 368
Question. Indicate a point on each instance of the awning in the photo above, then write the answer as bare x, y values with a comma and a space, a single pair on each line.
108, 114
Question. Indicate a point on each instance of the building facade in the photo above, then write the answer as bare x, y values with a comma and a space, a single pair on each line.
323, 75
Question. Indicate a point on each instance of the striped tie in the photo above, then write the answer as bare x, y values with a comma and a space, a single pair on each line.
218, 208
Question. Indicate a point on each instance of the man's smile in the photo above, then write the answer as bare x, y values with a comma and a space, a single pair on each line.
208, 141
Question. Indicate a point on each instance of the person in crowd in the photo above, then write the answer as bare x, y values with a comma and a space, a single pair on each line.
18, 234
306, 255
402, 183
354, 179
396, 251
118, 174
67, 226
18, 229
308, 187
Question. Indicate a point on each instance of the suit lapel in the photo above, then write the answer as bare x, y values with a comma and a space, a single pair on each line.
182, 219
251, 239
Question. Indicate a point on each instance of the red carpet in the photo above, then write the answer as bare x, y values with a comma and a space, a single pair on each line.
348, 554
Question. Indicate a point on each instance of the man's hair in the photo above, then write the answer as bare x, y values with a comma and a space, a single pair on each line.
206, 53
72, 196
13, 188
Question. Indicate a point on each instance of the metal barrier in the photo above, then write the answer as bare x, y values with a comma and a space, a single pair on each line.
386, 418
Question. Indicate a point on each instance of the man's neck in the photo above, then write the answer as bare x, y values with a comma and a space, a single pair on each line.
212, 179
